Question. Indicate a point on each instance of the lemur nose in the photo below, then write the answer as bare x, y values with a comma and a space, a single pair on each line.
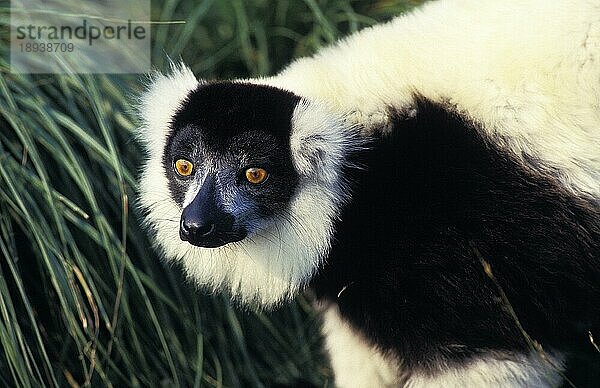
193, 228
204, 221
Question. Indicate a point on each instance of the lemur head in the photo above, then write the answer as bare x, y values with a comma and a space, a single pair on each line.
243, 182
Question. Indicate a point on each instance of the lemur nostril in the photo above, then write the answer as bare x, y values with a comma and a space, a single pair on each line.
184, 232
205, 230
183, 227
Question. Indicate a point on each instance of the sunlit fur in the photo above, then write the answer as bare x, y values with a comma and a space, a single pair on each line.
526, 71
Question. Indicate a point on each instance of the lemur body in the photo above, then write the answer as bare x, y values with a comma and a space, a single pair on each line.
435, 179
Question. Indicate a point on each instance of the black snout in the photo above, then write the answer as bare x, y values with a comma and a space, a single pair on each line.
204, 223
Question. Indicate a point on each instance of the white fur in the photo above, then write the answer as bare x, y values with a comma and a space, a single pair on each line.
164, 95
518, 371
354, 361
527, 71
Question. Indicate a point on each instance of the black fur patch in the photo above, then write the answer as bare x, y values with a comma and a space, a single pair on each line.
225, 109
244, 125
435, 191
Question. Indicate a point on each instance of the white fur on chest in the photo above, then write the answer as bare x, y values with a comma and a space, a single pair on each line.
356, 364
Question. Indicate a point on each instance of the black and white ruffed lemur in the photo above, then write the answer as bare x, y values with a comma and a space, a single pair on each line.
435, 180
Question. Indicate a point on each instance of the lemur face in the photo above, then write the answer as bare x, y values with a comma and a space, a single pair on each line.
228, 162
242, 182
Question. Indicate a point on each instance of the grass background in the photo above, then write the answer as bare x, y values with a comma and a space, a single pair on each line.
84, 301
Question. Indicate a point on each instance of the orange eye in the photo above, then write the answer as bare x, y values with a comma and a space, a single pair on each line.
256, 175
184, 167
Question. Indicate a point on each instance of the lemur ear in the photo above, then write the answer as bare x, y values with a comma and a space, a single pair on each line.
164, 94
321, 141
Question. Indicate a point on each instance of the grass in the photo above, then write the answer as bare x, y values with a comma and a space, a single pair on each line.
84, 300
